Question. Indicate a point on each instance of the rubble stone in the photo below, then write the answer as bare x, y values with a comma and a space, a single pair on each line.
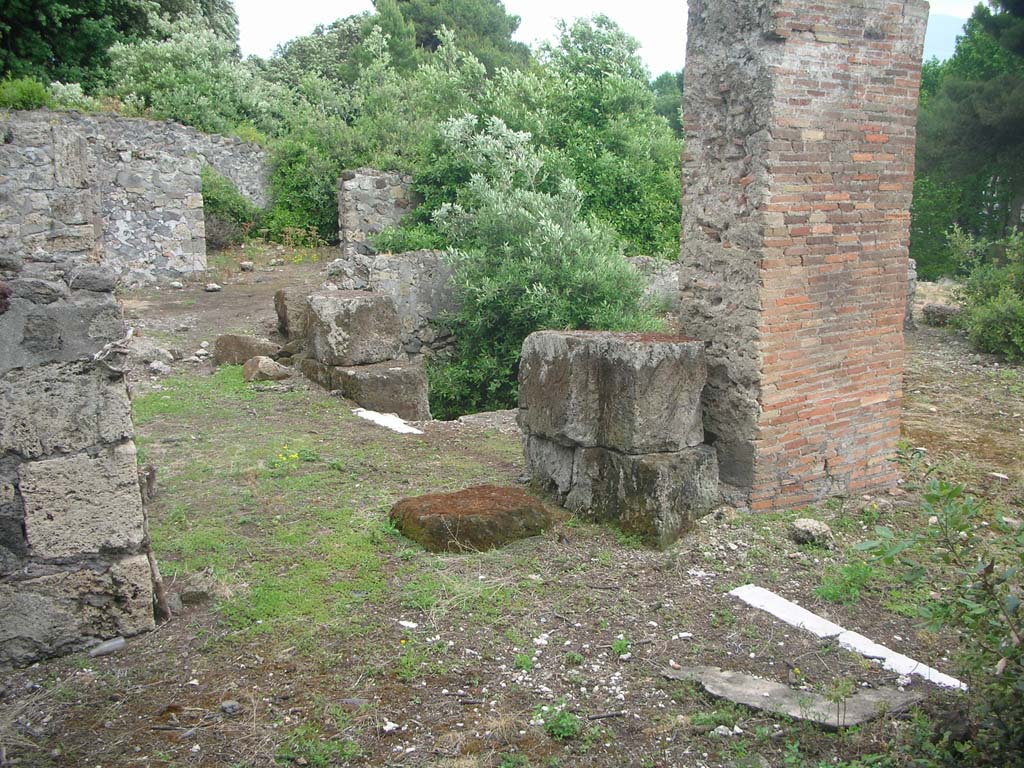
391, 387
235, 349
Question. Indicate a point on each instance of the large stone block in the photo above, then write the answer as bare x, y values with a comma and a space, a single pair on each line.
290, 306
62, 408
352, 327
636, 393
393, 387
66, 610
549, 465
76, 505
657, 496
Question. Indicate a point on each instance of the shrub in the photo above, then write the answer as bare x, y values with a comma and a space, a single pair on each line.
523, 260
993, 292
229, 215
71, 96
412, 237
973, 572
23, 93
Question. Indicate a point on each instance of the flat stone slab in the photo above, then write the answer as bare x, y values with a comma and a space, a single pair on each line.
864, 705
657, 496
394, 387
471, 520
352, 327
236, 349
635, 393
797, 616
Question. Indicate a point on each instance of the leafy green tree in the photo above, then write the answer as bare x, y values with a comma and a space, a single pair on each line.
401, 34
668, 99
524, 260
482, 26
970, 143
623, 156
218, 15
67, 41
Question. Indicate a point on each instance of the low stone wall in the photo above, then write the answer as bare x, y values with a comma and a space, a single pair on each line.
72, 564
137, 187
370, 201
420, 284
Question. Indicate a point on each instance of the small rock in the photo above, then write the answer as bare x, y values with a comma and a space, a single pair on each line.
230, 707
160, 368
389, 726
204, 345
192, 359
722, 730
275, 263
246, 266
262, 368
806, 530
108, 647
939, 315
212, 288
177, 284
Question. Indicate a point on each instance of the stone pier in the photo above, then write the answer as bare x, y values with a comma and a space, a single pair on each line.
73, 569
800, 130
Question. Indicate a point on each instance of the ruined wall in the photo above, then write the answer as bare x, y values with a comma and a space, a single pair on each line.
72, 568
368, 202
144, 181
798, 171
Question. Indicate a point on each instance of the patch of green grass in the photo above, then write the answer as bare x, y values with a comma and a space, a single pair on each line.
307, 746
190, 396
728, 715
844, 584
620, 646
573, 659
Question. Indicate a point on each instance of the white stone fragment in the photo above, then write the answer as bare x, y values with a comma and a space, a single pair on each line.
388, 420
795, 616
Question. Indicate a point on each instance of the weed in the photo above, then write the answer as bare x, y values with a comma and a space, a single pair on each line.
523, 661
573, 659
845, 584
559, 723
305, 745
514, 761
620, 646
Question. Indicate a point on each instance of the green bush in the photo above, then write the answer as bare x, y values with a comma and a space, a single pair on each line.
229, 215
412, 237
524, 260
993, 292
972, 569
23, 93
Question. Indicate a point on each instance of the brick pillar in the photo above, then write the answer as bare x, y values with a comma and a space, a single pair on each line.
797, 176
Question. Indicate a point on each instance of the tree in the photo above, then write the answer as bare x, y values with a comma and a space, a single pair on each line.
482, 26
970, 151
668, 98
67, 41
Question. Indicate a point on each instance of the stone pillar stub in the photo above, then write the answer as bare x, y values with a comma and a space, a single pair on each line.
797, 177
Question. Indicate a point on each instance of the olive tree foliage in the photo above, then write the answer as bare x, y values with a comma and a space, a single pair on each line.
526, 257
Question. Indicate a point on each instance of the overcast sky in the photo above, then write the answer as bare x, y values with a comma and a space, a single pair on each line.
661, 32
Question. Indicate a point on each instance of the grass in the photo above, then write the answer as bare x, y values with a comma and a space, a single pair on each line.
844, 583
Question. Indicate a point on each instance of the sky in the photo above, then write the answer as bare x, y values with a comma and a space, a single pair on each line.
662, 31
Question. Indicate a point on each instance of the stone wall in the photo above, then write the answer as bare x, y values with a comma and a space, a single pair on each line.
139, 189
798, 171
370, 201
72, 565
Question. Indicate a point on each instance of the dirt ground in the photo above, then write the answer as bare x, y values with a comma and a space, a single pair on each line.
314, 635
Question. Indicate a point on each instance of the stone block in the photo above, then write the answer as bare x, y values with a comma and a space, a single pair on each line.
656, 496
635, 393
392, 387
62, 408
549, 465
64, 610
236, 349
290, 305
471, 520
352, 327
78, 504
317, 372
